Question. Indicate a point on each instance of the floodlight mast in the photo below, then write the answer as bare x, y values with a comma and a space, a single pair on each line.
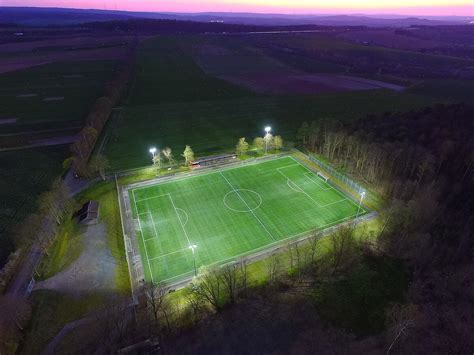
152, 151
193, 247
362, 195
267, 130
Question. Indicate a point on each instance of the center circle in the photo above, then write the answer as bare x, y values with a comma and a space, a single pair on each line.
242, 200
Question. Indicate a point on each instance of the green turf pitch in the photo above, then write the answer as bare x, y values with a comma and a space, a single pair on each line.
231, 213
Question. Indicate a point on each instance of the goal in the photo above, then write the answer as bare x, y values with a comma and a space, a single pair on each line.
322, 176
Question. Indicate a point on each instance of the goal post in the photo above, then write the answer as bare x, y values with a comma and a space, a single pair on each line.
322, 176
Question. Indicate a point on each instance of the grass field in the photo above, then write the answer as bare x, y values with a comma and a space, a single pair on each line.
174, 103
231, 213
53, 92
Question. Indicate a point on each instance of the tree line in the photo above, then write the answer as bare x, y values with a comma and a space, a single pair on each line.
422, 163
97, 119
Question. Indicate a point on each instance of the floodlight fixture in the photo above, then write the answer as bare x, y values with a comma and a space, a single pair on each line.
193, 247
268, 129
152, 150
362, 195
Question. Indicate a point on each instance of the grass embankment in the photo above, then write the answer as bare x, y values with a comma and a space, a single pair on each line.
66, 249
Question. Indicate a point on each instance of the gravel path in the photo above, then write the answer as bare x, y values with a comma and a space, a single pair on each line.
94, 270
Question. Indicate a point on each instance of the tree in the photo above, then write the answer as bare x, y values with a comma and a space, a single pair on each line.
168, 154
273, 267
342, 247
229, 277
268, 139
207, 286
155, 295
157, 160
277, 142
242, 146
314, 242
402, 318
259, 143
188, 155
98, 165
303, 132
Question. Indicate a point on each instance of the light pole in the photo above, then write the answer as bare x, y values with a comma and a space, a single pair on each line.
362, 195
267, 130
153, 152
193, 247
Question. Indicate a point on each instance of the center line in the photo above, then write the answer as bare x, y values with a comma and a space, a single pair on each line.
251, 211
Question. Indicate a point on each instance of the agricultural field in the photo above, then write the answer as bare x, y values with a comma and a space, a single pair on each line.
230, 213
53, 92
174, 102
21, 184
252, 68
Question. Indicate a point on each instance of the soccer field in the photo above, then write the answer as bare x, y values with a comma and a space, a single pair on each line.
230, 213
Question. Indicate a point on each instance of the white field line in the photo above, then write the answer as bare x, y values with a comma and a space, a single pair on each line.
304, 192
150, 198
267, 246
331, 187
288, 181
163, 255
143, 239
179, 218
251, 211
186, 214
195, 175
310, 175
154, 228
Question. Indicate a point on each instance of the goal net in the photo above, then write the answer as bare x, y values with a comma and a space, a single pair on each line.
322, 176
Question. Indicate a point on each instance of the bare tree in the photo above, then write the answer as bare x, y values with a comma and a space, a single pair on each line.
155, 296
243, 276
229, 275
207, 285
168, 154
402, 319
196, 305
314, 242
273, 267
342, 247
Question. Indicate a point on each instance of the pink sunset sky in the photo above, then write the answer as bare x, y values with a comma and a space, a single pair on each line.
402, 7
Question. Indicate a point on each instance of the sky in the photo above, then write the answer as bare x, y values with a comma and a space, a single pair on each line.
402, 7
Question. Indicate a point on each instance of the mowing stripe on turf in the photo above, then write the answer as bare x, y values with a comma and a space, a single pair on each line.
251, 211
179, 218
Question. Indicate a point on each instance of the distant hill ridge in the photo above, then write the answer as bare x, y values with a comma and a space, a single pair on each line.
38, 16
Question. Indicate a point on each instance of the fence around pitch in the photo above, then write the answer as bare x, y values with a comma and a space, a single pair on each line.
136, 268
354, 187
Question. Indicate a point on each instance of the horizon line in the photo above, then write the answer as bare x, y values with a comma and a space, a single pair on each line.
322, 12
